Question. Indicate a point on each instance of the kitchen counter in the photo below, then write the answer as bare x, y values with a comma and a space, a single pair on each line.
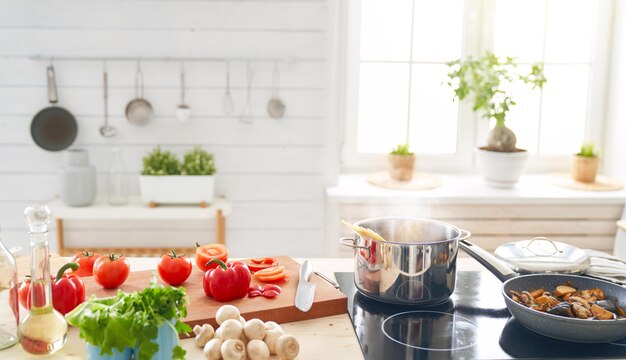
330, 337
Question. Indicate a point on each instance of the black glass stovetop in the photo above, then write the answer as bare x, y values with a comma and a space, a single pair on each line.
473, 324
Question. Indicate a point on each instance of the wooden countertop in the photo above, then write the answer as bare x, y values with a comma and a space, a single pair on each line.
330, 337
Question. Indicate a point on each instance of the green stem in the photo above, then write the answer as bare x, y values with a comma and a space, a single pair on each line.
72, 265
219, 262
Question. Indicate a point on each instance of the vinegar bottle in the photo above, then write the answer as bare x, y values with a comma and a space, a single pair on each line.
44, 330
9, 312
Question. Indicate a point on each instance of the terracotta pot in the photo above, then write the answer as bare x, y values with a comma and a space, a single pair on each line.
585, 168
401, 167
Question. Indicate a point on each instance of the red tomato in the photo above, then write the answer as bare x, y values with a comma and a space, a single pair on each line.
23, 293
110, 271
206, 253
174, 269
85, 261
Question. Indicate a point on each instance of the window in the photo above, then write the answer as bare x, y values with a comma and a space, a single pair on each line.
396, 77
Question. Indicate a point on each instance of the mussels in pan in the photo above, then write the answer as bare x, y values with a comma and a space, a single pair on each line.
568, 301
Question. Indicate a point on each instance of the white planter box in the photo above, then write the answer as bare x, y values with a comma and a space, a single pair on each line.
177, 189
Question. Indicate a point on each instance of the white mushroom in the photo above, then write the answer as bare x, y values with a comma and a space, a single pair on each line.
233, 350
242, 320
226, 312
212, 349
254, 329
287, 347
203, 333
272, 333
230, 329
257, 350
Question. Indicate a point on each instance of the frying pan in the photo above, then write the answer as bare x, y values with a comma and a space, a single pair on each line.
53, 128
558, 327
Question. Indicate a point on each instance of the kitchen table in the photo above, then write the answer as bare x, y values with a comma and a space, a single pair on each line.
329, 337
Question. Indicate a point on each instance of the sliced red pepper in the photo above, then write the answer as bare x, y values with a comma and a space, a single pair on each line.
270, 294
228, 281
67, 290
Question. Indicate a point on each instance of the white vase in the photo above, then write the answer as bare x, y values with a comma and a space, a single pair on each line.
78, 179
501, 169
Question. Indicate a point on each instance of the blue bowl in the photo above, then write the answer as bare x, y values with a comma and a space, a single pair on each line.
167, 339
93, 353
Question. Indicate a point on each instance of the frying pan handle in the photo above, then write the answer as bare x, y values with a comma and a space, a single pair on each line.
493, 264
52, 85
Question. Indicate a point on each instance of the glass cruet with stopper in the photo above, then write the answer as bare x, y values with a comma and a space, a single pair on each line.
43, 330
9, 314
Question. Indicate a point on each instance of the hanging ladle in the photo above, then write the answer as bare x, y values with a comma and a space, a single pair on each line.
183, 111
275, 107
106, 130
228, 106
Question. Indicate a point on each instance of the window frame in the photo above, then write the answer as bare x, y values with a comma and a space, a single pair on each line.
478, 35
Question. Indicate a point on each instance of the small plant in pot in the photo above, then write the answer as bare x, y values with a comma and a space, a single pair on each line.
486, 80
401, 163
166, 180
585, 164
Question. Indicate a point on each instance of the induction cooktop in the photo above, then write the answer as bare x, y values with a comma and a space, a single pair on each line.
473, 324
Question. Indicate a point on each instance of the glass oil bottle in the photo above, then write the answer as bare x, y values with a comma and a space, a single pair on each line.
44, 330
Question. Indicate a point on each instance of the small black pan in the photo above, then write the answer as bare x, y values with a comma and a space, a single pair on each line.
53, 128
558, 327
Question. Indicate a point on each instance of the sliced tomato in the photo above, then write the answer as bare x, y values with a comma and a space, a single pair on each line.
265, 263
206, 253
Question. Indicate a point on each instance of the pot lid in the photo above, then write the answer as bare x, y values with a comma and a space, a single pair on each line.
541, 255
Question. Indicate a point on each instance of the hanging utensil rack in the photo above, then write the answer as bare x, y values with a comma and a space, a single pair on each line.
164, 59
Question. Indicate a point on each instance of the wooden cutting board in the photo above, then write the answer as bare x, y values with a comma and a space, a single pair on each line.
201, 310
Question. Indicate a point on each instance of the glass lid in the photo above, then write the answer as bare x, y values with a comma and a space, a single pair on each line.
541, 254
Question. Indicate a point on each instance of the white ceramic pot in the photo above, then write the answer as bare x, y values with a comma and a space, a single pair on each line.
501, 169
177, 189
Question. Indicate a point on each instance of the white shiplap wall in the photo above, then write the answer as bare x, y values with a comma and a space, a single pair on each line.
271, 170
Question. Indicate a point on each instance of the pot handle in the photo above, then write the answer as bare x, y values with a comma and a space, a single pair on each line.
353, 244
489, 261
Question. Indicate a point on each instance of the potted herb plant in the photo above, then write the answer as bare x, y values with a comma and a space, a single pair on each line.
166, 180
487, 81
585, 164
401, 163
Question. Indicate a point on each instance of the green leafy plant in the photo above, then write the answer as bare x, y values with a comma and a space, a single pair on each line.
198, 162
132, 320
587, 149
402, 149
486, 81
159, 162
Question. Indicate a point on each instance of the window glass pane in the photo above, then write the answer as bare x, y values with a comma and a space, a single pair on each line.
570, 29
519, 29
523, 118
437, 30
383, 106
385, 29
433, 113
564, 109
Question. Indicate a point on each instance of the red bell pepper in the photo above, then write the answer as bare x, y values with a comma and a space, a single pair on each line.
68, 290
228, 281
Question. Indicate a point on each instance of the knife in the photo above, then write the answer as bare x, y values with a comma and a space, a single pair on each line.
306, 289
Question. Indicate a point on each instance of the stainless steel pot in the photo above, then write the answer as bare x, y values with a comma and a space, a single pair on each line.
416, 265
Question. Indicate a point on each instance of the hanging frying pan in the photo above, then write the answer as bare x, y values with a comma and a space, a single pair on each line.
53, 128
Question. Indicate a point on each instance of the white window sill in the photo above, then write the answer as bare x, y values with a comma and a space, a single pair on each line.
470, 189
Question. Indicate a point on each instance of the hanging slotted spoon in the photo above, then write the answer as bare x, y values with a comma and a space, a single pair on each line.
246, 113
106, 130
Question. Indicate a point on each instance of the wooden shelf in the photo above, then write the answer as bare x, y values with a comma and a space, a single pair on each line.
135, 210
